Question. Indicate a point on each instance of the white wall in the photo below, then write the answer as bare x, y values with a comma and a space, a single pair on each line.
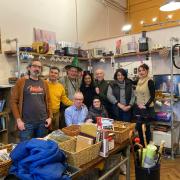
159, 65
19, 17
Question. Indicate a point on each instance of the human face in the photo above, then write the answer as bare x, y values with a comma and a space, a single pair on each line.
120, 77
78, 100
87, 80
72, 73
99, 74
96, 103
53, 75
142, 72
35, 69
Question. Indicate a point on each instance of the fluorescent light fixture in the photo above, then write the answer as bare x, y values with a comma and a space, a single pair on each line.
126, 27
154, 19
170, 5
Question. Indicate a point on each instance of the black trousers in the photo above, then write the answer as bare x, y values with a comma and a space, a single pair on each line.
140, 121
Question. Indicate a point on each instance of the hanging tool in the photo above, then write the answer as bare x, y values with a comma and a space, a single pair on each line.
160, 151
144, 134
131, 133
138, 155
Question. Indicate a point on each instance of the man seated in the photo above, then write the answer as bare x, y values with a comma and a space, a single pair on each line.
77, 113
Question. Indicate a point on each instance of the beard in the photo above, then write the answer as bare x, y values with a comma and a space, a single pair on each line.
35, 73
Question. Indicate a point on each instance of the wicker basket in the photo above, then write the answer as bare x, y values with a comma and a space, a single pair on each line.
124, 124
82, 157
72, 130
5, 165
121, 134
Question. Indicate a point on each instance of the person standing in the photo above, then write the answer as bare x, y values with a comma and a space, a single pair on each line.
77, 113
30, 103
71, 83
101, 87
87, 88
144, 104
120, 94
57, 95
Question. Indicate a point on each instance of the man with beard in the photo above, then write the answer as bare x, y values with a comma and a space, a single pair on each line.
30, 103
71, 84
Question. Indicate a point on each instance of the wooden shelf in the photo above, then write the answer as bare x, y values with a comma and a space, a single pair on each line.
3, 130
118, 56
13, 53
4, 112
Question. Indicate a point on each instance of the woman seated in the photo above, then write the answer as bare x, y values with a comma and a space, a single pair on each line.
96, 110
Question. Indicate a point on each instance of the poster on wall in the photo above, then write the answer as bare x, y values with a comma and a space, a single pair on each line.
41, 35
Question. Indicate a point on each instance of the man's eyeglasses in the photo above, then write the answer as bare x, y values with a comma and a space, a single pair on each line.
36, 66
78, 99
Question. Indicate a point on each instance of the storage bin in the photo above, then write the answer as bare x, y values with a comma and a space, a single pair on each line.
110, 162
72, 130
71, 171
5, 165
82, 157
147, 173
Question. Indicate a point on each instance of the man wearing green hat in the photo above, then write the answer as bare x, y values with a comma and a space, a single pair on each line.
71, 83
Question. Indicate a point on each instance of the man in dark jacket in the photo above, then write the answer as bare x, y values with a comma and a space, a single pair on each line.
101, 87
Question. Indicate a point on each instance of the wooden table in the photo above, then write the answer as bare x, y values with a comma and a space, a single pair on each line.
118, 147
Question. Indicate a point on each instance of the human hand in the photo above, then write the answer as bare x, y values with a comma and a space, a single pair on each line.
89, 121
20, 125
97, 90
121, 106
141, 106
127, 108
48, 122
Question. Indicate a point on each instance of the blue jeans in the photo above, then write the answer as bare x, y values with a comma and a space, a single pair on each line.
33, 130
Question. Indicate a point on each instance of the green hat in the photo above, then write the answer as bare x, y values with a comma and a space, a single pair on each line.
74, 64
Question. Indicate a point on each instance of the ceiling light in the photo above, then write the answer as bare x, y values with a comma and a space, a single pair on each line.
169, 16
126, 27
154, 19
142, 22
170, 5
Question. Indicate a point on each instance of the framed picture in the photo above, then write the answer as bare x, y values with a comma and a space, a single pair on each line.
46, 36
163, 83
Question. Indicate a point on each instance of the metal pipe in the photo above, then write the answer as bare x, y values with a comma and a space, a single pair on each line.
113, 169
77, 34
172, 40
8, 41
18, 59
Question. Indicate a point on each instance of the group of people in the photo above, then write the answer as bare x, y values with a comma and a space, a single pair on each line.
39, 105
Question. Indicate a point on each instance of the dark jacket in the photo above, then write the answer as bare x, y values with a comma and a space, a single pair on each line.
94, 112
128, 90
103, 87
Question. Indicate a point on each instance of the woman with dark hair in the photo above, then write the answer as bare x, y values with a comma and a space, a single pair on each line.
144, 104
120, 94
87, 88
96, 110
